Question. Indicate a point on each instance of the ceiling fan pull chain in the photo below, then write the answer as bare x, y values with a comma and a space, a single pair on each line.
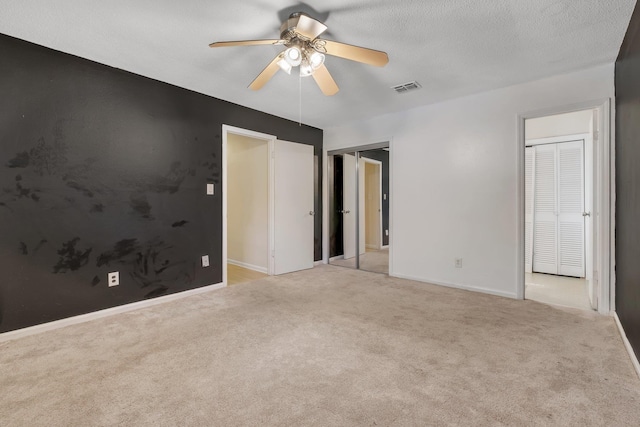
300, 99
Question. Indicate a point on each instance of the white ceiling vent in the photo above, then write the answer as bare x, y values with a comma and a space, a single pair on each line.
406, 87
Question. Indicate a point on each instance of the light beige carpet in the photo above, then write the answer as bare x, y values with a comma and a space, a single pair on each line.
328, 346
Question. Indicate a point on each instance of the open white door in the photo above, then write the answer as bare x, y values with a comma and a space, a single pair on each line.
545, 236
349, 206
293, 206
529, 167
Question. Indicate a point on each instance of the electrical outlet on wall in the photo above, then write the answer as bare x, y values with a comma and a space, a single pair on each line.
210, 189
386, 232
458, 262
113, 278
205, 260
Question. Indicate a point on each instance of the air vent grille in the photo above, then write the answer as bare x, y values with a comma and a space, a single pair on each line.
406, 87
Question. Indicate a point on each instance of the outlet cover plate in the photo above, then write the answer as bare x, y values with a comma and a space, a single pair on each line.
113, 278
205, 260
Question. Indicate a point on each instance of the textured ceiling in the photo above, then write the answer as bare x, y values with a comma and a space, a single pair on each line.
452, 47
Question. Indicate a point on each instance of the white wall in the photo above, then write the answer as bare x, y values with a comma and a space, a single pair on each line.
247, 202
454, 178
559, 125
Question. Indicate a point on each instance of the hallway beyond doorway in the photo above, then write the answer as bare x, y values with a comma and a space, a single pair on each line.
557, 290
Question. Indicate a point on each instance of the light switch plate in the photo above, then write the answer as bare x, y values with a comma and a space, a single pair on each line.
210, 189
205, 260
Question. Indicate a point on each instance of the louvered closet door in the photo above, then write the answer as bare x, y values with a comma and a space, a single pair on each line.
529, 164
571, 207
545, 233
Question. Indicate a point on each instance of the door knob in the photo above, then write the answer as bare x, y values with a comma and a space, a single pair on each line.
347, 212
586, 213
312, 213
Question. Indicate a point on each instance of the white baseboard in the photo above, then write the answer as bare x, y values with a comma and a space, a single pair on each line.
627, 344
384, 247
248, 266
57, 324
317, 263
376, 247
336, 258
456, 286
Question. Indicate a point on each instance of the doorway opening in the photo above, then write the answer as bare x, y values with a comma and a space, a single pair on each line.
359, 208
248, 208
559, 201
267, 205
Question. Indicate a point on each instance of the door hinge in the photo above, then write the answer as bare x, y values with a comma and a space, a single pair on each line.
596, 136
273, 254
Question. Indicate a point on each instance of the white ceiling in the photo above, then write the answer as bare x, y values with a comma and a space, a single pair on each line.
452, 47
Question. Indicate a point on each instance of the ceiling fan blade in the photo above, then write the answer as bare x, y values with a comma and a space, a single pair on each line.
266, 74
245, 43
309, 27
356, 53
327, 85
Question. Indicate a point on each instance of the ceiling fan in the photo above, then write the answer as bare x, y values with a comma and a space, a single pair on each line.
300, 35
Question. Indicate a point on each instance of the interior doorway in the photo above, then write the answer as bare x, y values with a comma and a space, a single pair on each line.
267, 205
248, 239
559, 195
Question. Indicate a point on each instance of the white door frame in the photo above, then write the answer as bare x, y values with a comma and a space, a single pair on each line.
604, 206
270, 139
379, 164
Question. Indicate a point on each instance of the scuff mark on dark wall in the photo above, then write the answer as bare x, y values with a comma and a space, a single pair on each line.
97, 208
37, 248
48, 159
80, 188
179, 223
120, 251
71, 258
21, 160
24, 248
213, 168
171, 182
95, 281
140, 205
149, 263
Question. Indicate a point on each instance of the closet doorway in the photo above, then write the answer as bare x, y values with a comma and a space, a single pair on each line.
559, 201
359, 194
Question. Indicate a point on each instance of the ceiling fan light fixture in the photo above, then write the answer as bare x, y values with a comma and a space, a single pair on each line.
316, 59
306, 69
284, 65
293, 56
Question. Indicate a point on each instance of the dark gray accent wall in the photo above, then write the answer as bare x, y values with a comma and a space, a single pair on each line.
102, 170
627, 81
